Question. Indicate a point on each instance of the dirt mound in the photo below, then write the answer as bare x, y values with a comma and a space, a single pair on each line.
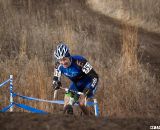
25, 121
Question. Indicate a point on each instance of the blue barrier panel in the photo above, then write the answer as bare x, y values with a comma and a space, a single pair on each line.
6, 108
31, 109
5, 82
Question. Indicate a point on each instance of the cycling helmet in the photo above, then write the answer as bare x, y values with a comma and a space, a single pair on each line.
61, 51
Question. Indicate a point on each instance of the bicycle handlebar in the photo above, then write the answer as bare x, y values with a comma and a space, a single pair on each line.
76, 92
66, 89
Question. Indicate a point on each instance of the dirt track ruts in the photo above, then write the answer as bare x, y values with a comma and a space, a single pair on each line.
26, 121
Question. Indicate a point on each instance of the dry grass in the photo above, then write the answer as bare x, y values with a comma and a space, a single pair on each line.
140, 13
29, 31
131, 89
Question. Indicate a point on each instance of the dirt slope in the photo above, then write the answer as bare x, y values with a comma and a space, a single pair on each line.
28, 121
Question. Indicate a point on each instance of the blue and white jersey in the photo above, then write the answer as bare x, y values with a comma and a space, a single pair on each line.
80, 72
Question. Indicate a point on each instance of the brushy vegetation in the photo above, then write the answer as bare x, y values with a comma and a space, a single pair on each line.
29, 32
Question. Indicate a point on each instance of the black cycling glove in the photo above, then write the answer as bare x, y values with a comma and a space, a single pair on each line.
57, 84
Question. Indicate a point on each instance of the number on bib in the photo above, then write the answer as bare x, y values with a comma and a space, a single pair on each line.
87, 68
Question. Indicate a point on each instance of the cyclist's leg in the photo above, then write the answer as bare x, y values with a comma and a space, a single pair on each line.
83, 99
67, 106
69, 100
82, 105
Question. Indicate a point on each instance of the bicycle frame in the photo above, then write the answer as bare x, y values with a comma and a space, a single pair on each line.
94, 103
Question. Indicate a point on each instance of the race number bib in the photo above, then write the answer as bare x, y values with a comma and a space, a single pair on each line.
87, 68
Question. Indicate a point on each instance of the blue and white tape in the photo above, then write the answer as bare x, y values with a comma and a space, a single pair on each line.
49, 101
5, 82
31, 109
6, 108
41, 100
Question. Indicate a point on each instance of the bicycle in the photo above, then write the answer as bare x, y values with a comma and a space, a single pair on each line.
93, 106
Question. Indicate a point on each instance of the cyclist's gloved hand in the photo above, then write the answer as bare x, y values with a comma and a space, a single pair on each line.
87, 91
56, 84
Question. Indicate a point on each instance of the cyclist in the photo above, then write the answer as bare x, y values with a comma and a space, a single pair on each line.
82, 75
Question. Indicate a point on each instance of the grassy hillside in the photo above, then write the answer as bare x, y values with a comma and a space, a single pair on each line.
30, 31
141, 13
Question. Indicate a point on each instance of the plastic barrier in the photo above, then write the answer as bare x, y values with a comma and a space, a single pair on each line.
32, 109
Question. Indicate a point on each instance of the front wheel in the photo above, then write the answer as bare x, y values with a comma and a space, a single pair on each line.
68, 109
